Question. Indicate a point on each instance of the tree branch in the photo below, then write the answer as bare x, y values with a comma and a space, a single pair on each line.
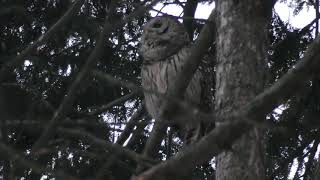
188, 11
113, 103
121, 139
184, 18
223, 136
112, 148
287, 85
41, 40
138, 132
133, 87
8, 153
84, 73
198, 50
130, 125
311, 159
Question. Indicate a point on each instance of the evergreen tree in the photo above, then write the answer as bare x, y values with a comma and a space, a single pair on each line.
71, 106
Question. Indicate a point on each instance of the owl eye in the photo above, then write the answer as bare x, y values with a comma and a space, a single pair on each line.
157, 25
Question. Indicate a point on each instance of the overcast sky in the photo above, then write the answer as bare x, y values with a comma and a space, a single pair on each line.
285, 13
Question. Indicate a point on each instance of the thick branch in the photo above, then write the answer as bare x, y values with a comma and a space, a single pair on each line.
317, 17
197, 53
308, 173
189, 11
288, 85
223, 136
216, 141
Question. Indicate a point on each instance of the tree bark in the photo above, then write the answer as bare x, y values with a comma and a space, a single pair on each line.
317, 17
240, 76
316, 174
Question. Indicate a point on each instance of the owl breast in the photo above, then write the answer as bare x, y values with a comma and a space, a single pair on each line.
165, 47
159, 76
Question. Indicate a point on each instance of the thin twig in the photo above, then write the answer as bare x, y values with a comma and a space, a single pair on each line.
115, 102
112, 148
116, 81
179, 17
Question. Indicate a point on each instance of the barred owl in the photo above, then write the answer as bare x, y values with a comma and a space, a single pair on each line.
165, 45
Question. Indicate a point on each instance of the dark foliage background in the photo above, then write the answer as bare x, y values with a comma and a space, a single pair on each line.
31, 93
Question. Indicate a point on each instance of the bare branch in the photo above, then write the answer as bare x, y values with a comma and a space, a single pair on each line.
154, 141
178, 17
311, 159
130, 125
138, 132
114, 81
114, 103
198, 50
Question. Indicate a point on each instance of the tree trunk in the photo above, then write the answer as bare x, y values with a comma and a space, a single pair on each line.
240, 75
316, 174
188, 15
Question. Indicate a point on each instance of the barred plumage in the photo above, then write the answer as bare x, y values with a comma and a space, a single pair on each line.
165, 47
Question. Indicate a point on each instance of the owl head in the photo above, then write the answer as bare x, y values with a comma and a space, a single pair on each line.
162, 37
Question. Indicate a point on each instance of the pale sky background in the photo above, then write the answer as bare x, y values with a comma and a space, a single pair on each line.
286, 14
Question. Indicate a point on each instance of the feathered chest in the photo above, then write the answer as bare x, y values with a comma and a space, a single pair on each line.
159, 76
162, 74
